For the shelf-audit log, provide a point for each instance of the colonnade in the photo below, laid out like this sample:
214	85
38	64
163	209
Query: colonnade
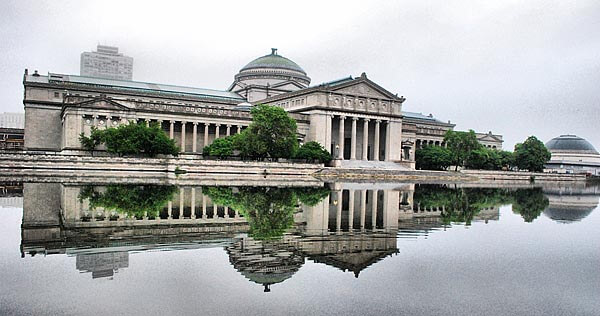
363	145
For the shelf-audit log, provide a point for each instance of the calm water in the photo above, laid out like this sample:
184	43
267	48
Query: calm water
341	249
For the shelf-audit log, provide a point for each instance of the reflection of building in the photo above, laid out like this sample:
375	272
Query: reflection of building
106	62
568	205
103	264
572	154
354	118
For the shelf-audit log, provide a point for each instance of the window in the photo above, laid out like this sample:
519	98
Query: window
56	94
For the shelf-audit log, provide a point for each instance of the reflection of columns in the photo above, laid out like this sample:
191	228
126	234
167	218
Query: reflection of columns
365	153
171	129
228	130
338	215
374	210
350	210
194	136
205	134
217	131
181	202
363	208
353	139
204	206
341	138
193	201
183	136
376	141
170	209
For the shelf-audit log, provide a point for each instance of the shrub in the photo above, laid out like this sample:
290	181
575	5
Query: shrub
313	151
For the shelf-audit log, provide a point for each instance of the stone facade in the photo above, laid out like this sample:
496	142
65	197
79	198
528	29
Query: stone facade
354	118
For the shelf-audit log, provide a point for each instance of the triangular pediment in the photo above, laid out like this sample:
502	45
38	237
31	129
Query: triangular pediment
489	137
96	103
363	87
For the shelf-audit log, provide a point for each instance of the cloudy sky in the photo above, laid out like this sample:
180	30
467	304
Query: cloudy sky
517	68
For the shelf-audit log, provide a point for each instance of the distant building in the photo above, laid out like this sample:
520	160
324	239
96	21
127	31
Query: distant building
572	154
106	62
12	120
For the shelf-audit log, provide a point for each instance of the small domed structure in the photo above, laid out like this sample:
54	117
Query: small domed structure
267	76
572	154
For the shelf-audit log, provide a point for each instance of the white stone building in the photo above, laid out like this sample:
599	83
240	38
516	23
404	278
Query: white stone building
106	62
572	154
360	122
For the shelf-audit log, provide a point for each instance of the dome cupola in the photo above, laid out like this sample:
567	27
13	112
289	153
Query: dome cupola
570	143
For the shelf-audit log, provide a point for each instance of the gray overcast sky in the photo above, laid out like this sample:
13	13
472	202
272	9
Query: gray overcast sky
517	68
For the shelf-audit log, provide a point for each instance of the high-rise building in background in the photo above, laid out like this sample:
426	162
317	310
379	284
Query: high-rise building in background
12	120
106	62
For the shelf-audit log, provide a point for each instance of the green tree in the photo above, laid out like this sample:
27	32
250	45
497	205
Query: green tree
313	151
135	200
131	139
529	203
272	132
433	158
460	144
531	155
221	147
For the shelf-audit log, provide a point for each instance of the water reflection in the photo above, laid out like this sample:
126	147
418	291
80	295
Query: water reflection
267	232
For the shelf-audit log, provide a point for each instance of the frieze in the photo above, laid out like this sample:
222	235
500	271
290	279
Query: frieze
191	110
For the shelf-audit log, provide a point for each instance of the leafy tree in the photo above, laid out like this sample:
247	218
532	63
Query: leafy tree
221	147
273	131
135	200
531	155
507	159
529	203
269	211
131	139
90	143
313	151
460	145
433	158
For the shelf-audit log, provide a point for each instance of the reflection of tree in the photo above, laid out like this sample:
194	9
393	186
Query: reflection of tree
530	203
269	211
129	199
462	204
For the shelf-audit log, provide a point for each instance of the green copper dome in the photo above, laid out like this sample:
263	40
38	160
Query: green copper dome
273	61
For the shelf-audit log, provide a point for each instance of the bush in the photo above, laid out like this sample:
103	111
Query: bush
433	158
313	151
221	147
131	139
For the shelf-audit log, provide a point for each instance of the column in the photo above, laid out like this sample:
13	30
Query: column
205	134
374	210
193	200
215	210
171	129
217	130
341	138
350	210
388	142
376	141
239	129
170	209
147	122
228	130
194	136
363	208
226	212
183	136
338	215
181	202
365	140
204	206
108	121
353	140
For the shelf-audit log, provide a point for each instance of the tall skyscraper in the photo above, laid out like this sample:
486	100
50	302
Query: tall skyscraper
106	62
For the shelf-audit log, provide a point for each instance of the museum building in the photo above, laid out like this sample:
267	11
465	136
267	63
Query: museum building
355	118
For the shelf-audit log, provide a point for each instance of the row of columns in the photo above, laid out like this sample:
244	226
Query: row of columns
363	208
365	144
238	129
